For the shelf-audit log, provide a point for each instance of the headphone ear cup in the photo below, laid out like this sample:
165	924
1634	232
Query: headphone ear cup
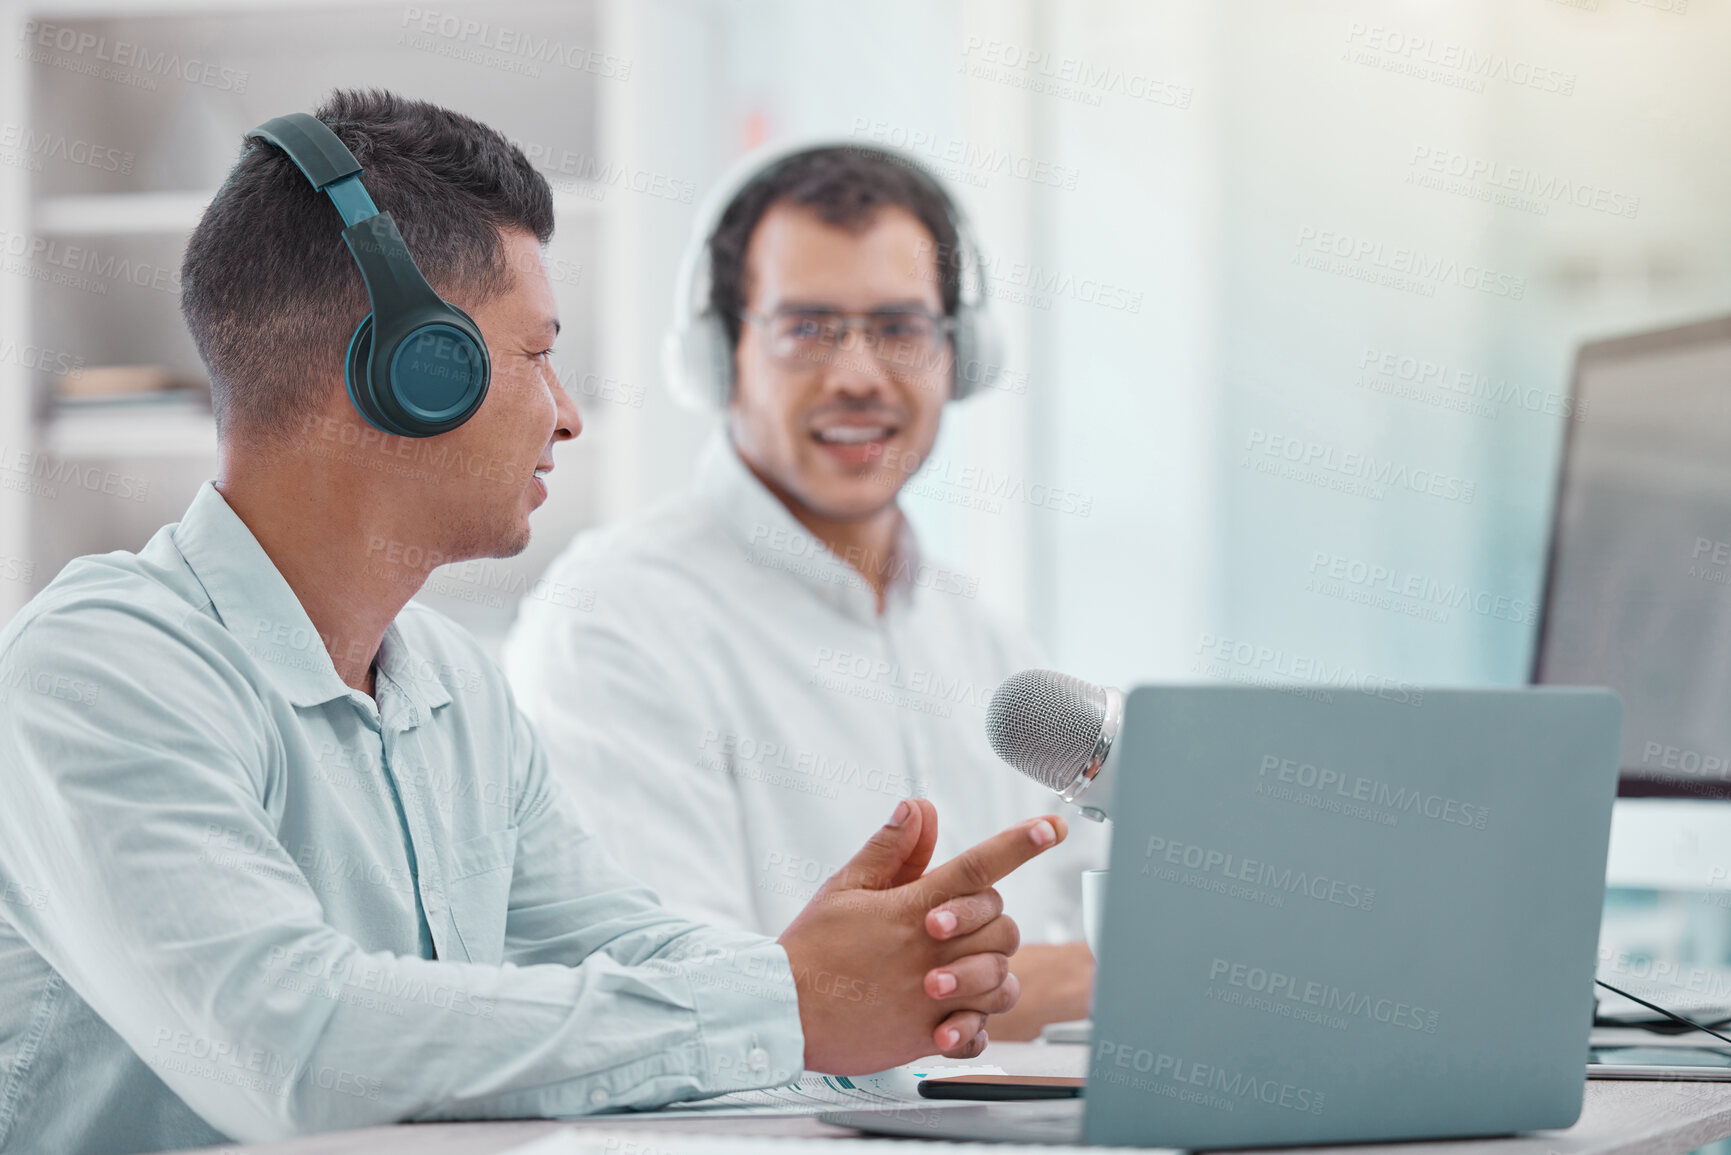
716	352
698	360
357	373
437	374
979	352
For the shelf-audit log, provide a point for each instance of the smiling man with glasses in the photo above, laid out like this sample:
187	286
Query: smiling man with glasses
768	658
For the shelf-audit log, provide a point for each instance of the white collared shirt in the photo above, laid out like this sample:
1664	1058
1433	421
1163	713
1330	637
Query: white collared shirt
738	718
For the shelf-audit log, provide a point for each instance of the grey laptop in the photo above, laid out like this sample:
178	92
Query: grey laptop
1335	916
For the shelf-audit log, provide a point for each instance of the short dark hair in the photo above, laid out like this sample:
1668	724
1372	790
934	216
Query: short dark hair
844	185
269	289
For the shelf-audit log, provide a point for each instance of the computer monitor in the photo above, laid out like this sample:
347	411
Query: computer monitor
1638	590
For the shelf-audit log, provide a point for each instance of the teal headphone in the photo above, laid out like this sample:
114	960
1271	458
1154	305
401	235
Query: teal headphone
417	365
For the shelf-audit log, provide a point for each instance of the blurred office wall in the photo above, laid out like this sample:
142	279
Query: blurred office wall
1291	290
1294	292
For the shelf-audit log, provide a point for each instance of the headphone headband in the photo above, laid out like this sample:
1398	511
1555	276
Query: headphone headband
317	151
417	365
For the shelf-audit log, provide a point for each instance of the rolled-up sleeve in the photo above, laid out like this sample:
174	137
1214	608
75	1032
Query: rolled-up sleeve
220	972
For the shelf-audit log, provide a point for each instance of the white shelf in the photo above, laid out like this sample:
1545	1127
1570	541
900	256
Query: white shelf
130	430
114	9
137	214
121	213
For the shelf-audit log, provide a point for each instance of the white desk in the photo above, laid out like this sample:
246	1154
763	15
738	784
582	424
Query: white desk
1620	1118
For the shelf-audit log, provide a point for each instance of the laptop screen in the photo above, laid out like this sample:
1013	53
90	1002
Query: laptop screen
1639	586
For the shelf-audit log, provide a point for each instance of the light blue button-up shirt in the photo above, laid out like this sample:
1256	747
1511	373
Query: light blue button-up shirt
240	899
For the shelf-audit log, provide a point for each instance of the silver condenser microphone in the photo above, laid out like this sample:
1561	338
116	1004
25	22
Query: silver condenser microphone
1059	731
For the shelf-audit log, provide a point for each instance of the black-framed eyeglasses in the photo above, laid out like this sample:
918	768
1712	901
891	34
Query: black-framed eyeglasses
910	340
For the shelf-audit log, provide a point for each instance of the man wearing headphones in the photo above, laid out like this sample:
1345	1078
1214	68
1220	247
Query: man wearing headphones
768	657
278	853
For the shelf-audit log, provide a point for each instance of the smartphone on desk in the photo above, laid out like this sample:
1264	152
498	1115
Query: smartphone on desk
997	1088
1669	1063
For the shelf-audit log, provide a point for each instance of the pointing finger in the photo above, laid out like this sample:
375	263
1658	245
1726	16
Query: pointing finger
980	866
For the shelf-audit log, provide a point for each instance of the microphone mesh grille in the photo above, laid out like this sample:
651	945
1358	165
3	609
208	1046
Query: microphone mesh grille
1045	724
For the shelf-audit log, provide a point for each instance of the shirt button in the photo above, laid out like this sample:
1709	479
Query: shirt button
599	1097
757	1058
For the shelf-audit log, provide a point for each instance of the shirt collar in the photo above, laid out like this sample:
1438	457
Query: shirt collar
415	673
770	536
258	607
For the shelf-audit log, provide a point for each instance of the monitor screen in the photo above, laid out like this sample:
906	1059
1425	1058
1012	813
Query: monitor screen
1638	592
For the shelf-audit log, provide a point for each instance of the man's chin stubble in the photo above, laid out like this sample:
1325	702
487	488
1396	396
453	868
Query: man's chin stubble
494	540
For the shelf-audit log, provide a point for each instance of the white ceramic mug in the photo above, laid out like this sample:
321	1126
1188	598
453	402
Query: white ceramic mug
1093	907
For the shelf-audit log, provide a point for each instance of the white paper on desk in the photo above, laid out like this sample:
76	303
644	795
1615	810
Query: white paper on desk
813	1094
